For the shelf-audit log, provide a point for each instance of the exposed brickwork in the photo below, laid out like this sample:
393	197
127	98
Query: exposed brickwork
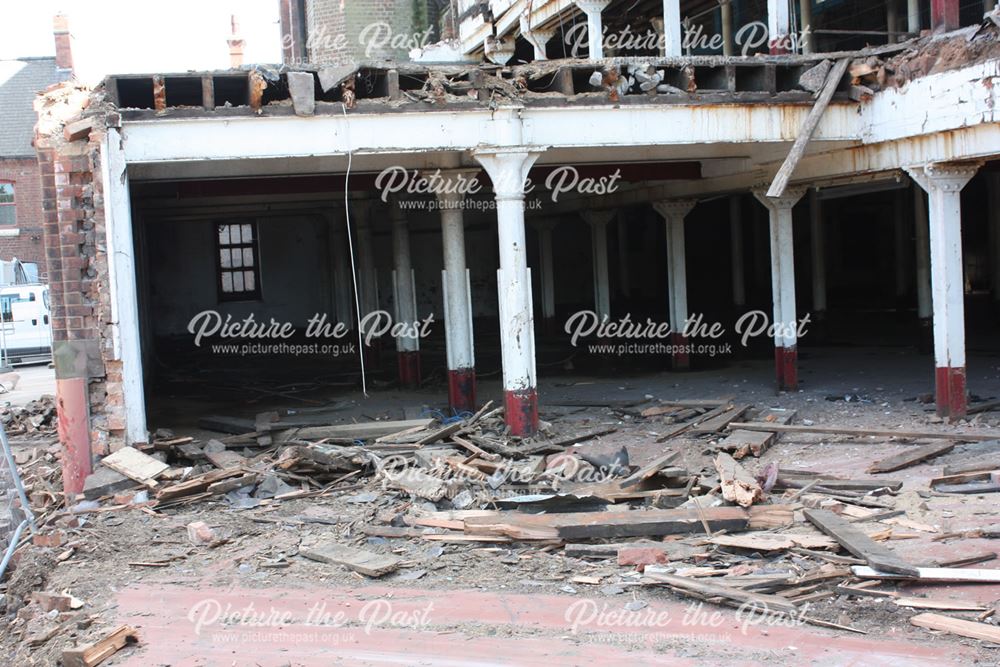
28	245
75	242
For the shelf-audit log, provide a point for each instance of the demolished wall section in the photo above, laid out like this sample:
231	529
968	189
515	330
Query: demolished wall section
75	237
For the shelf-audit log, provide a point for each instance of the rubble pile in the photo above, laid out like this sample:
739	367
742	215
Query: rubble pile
699	515
38	417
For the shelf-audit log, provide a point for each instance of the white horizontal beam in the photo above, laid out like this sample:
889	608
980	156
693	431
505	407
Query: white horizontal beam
166	140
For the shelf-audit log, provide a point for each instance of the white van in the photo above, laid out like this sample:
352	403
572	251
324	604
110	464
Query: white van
26	333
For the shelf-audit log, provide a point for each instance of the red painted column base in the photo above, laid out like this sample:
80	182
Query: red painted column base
462	389
74	432
521	411
950	390
681	360
786	366
409	370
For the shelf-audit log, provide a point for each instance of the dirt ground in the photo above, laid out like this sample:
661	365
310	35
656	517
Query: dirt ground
519	603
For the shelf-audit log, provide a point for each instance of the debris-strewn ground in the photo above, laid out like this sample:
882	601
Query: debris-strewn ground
457	555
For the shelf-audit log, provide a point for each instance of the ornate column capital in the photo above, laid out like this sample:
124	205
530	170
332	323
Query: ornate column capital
674	209
785	201
947	177
508	168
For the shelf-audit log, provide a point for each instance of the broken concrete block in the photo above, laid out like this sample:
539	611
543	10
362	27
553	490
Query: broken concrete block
302	87
105	482
199	533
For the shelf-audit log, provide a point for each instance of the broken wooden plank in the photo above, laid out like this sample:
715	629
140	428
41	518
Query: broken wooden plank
911	457
738	486
780	183
710	589
958	626
861	432
946	605
225	459
135	465
719	422
773	542
364	562
648	470
985	465
969	489
97	652
858	543
586	525
361	431
932	574
744	443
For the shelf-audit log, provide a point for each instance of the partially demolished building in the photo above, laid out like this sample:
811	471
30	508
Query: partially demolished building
708	178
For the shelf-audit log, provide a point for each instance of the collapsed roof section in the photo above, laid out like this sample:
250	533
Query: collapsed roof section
377	88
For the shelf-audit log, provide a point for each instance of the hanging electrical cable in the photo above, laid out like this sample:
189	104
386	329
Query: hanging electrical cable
350	248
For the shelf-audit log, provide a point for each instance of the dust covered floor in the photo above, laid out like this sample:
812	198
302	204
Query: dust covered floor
262	580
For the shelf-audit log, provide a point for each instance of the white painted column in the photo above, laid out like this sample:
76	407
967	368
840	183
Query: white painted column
457	296
736	252
672	40
340	260
546	271
537	38
993	223
779	25
806	27
508	168
817	237
125	336
595	25
404	296
943	184
673	213
598	221
783	285
913	16
923	272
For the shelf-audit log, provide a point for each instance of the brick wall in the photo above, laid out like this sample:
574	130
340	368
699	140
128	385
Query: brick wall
75	243
28	245
337	29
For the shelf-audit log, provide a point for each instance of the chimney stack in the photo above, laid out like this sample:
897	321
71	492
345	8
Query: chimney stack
64	42
236	44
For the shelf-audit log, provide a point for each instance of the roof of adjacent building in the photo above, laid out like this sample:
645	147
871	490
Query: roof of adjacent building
20	81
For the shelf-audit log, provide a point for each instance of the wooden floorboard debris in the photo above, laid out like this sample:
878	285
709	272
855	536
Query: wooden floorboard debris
861	432
93	654
773	542
738	486
709	590
857	543
362	431
958	626
743	443
135	465
911	457
932	574
364	562
945	605
648	470
721	421
593	525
